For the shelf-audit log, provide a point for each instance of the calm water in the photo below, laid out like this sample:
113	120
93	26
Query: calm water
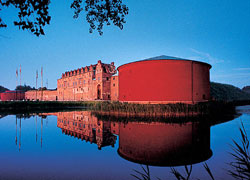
78	145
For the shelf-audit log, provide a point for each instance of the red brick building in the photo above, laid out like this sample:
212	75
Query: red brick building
164	79
157	80
114	88
12	95
87	83
41	95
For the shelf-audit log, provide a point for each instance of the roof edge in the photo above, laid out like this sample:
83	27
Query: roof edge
178	59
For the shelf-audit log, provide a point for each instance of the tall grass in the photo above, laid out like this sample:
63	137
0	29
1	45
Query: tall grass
145	174
241	155
179	109
212	108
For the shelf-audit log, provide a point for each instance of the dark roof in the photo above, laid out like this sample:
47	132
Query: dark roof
164	57
15	91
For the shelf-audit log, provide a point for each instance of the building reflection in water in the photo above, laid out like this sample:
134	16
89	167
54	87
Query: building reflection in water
165	144
156	143
84	126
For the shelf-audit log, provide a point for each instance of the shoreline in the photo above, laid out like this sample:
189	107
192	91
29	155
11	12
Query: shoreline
124	107
213	112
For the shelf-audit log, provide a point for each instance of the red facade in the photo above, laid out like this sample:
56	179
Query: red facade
41	95
12	95
158	80
87	84
164	81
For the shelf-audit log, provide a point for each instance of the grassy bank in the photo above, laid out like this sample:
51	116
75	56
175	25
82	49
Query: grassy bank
112	108
164	109
215	112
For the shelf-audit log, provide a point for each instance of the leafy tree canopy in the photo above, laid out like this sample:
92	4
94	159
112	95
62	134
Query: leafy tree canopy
33	15
3	89
246	89
24	88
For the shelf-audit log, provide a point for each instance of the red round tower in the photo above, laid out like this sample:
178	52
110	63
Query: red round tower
164	79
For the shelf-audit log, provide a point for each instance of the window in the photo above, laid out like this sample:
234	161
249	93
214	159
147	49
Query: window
114	85
113	78
204	96
107	78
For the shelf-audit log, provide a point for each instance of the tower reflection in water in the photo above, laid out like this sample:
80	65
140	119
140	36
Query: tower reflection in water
156	143
164	144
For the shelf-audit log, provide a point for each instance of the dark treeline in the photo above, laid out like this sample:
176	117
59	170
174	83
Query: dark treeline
227	92
3	89
24	88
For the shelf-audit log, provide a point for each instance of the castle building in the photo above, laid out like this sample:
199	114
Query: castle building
42	95
12	95
157	80
87	83
164	79
94	82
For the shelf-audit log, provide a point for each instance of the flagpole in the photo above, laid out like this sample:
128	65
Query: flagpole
16	81
36	83
20	80
20	76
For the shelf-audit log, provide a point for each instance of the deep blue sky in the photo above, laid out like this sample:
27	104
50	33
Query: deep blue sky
216	32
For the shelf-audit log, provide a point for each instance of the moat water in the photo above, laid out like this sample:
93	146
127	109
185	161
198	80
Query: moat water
78	145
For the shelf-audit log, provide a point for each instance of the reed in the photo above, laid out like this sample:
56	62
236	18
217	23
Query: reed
212	108
241	155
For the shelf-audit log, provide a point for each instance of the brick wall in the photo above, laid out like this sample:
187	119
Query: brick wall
45	95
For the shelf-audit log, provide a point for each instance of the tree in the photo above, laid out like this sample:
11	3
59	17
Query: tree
246	89
3	89
33	15
24	88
